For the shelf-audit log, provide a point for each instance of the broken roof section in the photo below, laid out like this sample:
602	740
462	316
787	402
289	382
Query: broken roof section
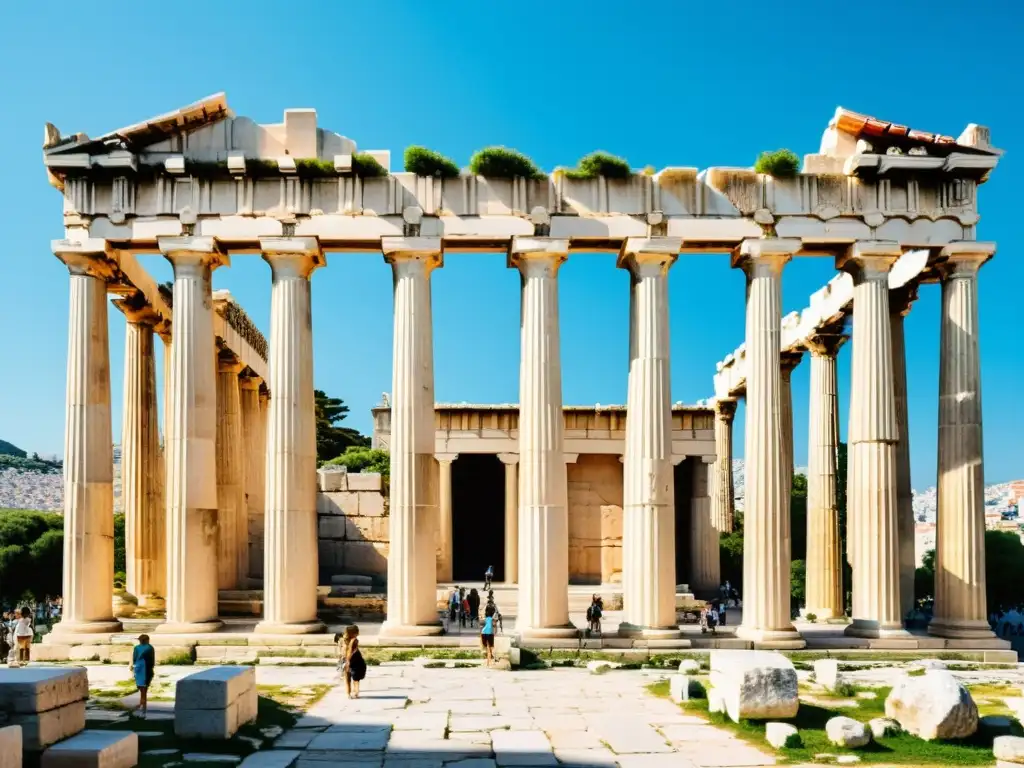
848	129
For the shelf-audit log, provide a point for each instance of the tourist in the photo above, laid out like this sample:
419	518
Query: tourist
355	665
721	612
488	577
474	607
487	638
23	633
142	666
463	607
453	605
492	611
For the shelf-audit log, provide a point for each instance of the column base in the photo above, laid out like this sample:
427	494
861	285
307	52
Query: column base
548	633
781	639
389	629
189	627
872	628
290	628
152	603
652	633
86	627
966	629
820	614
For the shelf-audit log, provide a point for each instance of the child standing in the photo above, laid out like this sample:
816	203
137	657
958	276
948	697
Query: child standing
23	633
355	665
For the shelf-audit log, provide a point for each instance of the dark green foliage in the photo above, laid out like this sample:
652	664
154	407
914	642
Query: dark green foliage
31	554
364	459
600	164
119	548
427	162
503	163
782	164
332	440
33	464
314	168
7	449
367	166
206	168
1004	571
798	517
256	167
730	547
797	582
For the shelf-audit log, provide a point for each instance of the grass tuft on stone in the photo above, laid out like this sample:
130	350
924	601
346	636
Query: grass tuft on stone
367	166
428	162
600	164
782	164
314	168
503	163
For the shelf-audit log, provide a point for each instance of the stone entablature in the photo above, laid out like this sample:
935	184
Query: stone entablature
464	428
202	171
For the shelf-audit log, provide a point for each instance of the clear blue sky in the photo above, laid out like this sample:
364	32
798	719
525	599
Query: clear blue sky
660	83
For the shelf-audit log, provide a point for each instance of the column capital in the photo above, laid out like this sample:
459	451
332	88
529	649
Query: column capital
249	380
138	311
826	344
900	299
788	360
570	458
964	258
420	249
649	253
756	256
446	458
89	257
546	252
192	252
228	362
725	410
678	458
508	458
292	256
866	259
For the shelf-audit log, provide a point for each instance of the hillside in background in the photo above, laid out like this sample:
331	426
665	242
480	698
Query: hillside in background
11	450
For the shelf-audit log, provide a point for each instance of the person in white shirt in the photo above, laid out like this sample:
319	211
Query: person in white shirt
23	634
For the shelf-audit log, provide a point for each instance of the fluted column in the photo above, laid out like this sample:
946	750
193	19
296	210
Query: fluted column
253	477
873	436
766	552
88	446
543	491
648	509
704	551
960	608
444	526
722	490
290	528
142	461
787	361
412	561
231	510
190	443
900	300
511	462
824	574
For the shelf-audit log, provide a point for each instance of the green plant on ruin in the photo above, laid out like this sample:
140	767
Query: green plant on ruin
503	163
367	166
427	162
600	164
314	168
782	164
255	166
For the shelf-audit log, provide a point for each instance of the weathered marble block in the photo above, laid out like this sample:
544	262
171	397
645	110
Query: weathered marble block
10	747
214	703
48	703
42	729
94	749
755	685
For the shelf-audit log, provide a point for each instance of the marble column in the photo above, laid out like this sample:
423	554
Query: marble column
142	461
165	340
190	442
412	562
767	546
900	300
787	361
824	574
254	467
960	608
257	548
871	494
543	491
722	490
231	510
648	509
511	462
290	558
704	552
444	513
88	582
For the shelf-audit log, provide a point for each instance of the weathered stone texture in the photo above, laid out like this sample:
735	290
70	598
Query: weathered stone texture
95	749
595	485
755	685
215	702
933	706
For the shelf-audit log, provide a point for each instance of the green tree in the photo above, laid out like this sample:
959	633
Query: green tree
1004	571
730	549
358	458
31	554
798	517
332	440
797	583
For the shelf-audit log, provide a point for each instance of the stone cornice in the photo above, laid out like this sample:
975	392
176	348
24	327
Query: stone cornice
658	252
88	257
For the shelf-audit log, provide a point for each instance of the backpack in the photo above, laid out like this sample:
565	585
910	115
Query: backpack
357	666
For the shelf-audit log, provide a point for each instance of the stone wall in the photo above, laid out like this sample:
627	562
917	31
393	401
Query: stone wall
352	526
595	519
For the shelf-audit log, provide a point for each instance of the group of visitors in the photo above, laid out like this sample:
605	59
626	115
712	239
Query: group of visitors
16	632
464	608
728	595
1007	623
712	616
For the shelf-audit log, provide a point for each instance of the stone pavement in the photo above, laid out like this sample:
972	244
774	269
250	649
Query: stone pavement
412	717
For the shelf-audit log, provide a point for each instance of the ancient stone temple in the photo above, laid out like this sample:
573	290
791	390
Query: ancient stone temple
202	187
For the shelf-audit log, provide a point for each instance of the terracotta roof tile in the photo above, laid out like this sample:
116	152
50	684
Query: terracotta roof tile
865	125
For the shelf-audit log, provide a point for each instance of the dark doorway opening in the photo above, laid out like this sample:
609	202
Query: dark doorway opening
684	528
478	516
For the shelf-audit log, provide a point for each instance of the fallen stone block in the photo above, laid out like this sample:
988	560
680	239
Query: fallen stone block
933	706
214	688
37	689
683	688
1008	749
847	732
884	726
42	729
689	667
10	747
206	723
94	749
755	685
781	735
826	673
